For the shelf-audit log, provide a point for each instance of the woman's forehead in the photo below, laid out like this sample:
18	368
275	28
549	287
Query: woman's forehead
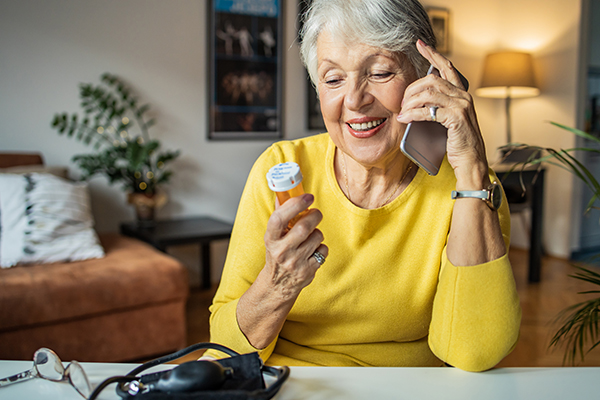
331	46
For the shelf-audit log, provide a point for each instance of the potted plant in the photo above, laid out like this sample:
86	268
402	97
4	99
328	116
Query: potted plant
114	121
579	330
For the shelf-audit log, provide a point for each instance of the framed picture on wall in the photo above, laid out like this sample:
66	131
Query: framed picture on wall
314	118
245	69
440	20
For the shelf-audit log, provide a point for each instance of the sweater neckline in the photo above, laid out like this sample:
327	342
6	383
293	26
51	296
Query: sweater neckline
343	200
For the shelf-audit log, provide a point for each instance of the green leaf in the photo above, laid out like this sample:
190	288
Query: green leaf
590	204
580	322
149	123
164	178
108	78
577	132
152	146
135	155
56	121
167	156
142	110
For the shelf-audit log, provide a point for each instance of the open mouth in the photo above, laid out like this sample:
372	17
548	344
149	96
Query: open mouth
365	126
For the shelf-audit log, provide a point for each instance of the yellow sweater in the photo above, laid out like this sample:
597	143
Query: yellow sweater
387	294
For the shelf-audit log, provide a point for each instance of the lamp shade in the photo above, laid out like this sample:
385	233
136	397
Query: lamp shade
508	74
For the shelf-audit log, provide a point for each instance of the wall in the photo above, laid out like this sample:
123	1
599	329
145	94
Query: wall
48	47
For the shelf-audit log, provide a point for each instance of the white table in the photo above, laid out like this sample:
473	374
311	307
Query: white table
331	383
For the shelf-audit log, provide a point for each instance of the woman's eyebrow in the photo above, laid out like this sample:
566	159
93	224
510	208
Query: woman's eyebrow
367	59
327	60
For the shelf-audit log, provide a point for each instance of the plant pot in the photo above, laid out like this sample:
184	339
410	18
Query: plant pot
146	205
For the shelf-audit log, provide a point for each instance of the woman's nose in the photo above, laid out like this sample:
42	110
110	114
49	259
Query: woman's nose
357	96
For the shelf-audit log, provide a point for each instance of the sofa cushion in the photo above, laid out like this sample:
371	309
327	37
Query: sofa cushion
133	274
45	219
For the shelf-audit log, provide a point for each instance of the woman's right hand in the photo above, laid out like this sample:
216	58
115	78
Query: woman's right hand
289	264
289	268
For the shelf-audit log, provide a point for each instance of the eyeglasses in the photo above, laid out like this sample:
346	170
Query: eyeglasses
47	365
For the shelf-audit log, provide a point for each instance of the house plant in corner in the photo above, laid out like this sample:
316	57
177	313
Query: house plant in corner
579	330
115	123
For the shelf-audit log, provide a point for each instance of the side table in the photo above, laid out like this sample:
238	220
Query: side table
533	180
173	232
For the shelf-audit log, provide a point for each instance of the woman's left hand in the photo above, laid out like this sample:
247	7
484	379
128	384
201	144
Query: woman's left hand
475	235
455	110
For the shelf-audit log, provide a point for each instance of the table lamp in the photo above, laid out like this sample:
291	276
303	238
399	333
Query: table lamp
508	75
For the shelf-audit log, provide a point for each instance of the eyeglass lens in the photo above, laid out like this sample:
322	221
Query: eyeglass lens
79	379
49	366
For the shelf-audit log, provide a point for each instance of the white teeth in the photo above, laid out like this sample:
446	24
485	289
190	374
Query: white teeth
367	125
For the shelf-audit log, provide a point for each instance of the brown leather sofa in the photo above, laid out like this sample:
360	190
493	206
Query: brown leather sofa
127	306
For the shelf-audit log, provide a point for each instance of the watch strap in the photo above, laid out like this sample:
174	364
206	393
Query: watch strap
478	194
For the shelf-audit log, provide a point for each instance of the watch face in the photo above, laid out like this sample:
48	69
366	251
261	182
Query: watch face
496	196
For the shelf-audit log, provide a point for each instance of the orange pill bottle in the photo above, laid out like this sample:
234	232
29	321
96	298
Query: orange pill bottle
285	180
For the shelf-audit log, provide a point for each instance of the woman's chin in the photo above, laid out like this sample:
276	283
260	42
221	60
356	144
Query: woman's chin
374	155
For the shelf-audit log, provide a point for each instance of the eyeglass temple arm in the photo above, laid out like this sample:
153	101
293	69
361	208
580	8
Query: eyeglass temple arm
22	376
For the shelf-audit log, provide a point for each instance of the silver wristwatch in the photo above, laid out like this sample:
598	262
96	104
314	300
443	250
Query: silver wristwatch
492	195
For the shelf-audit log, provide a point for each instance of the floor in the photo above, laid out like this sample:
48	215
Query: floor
541	303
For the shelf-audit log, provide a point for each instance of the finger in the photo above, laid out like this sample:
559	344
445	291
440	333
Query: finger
278	222
447	70
420	108
447	109
426	113
425	96
313	241
324	251
304	226
431	90
292	246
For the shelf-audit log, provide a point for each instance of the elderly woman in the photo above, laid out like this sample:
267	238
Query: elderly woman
412	277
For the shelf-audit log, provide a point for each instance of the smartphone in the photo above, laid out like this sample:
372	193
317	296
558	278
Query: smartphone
424	142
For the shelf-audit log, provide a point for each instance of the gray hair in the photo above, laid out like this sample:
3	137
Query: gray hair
394	25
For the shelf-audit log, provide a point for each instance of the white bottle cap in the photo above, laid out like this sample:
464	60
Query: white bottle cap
283	177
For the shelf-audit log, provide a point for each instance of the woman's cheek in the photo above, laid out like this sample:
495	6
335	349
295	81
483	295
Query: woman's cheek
331	104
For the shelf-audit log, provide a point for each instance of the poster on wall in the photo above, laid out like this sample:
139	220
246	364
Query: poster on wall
245	69
314	117
440	21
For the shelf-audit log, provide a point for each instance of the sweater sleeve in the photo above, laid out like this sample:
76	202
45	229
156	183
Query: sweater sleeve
476	310
245	259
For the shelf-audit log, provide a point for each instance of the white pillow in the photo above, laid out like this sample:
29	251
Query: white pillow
45	219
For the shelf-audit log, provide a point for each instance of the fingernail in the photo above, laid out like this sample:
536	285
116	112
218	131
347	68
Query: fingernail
308	198
399	117
422	43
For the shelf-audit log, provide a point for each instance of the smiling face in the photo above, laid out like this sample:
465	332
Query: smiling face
361	89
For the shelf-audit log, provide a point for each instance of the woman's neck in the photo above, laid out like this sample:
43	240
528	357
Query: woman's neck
372	187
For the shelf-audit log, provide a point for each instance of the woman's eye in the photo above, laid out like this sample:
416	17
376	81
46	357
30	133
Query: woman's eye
381	75
332	81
